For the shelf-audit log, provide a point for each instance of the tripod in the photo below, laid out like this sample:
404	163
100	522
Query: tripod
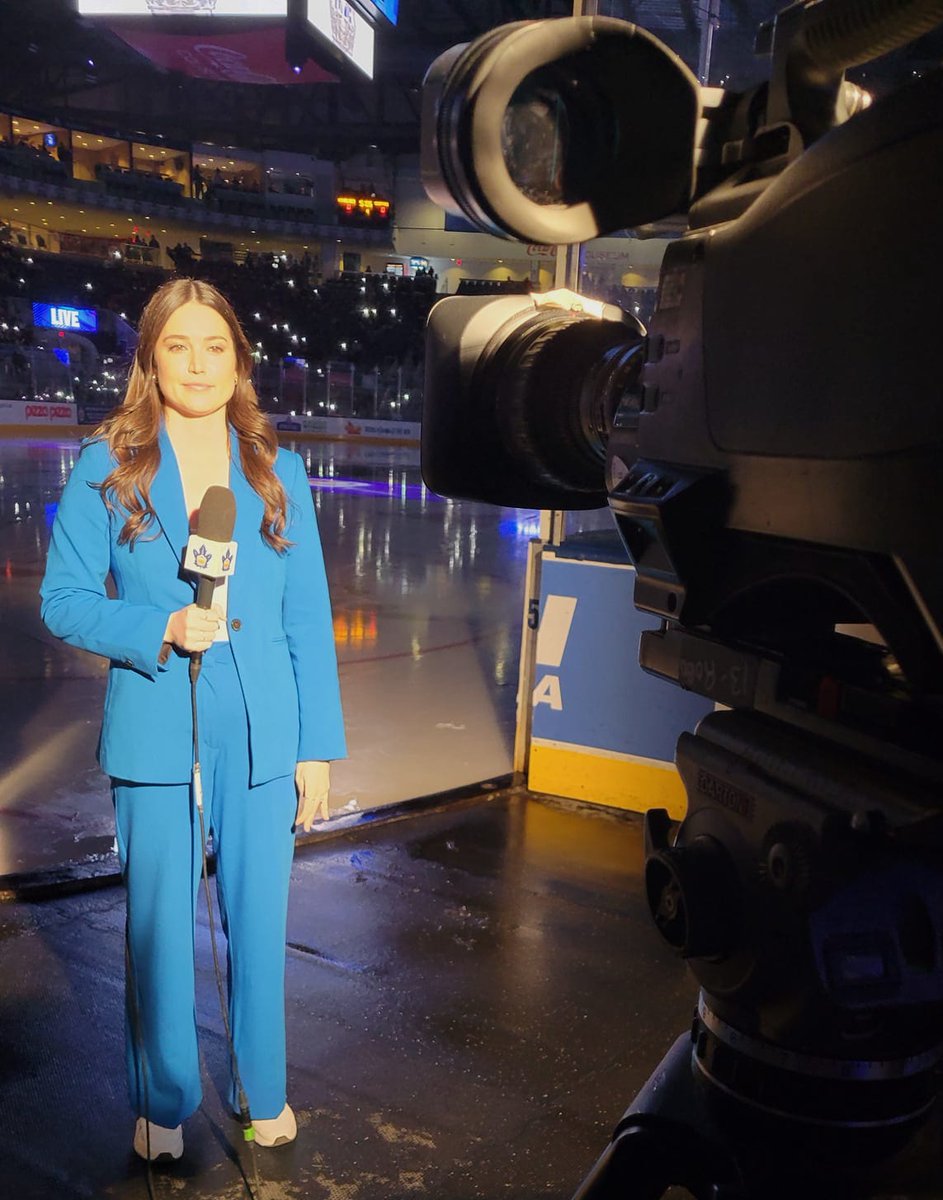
805	889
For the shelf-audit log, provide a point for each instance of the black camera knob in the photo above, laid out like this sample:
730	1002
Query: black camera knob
787	860
693	895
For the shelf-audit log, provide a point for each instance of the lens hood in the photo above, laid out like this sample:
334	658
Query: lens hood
560	131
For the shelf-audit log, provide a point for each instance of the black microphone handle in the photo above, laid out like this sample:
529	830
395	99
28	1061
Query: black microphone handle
204	592
204	599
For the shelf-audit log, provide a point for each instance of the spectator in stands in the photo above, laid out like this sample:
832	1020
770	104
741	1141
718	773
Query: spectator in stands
181	256
190	420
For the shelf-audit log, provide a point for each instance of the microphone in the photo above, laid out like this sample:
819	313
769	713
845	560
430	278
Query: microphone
211	552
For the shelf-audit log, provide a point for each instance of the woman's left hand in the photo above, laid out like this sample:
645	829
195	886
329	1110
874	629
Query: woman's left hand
313	781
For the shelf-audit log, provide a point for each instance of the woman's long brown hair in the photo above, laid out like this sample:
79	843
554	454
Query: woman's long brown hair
131	430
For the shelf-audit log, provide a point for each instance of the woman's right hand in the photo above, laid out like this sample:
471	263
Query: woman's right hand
192	628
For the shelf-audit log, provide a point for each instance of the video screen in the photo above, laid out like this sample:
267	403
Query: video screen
182	8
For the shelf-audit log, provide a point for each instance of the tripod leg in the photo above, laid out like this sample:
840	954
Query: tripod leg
660	1142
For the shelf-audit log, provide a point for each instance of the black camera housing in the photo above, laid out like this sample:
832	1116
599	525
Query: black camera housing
771	449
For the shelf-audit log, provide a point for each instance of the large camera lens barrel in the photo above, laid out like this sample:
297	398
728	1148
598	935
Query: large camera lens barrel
520	397
553	384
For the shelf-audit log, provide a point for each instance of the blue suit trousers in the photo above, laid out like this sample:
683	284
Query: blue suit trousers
159	846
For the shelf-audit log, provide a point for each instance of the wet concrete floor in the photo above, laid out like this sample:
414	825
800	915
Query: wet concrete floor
473	997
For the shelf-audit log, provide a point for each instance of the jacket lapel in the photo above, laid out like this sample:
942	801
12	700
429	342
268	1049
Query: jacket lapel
249	509
167	499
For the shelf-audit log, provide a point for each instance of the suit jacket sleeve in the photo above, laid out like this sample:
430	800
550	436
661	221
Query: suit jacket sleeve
75	605
306	617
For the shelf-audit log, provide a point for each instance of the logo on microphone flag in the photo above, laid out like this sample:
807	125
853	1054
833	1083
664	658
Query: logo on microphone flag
213	560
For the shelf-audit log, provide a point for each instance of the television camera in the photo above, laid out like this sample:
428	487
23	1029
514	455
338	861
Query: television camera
771	449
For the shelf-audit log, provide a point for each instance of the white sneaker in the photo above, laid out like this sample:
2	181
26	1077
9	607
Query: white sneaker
276	1131
164	1143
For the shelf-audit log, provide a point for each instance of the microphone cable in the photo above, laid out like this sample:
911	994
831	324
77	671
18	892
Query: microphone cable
245	1117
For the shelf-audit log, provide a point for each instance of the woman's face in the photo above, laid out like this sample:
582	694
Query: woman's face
195	361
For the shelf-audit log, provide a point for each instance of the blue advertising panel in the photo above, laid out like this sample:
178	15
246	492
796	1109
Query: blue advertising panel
603	729
59	316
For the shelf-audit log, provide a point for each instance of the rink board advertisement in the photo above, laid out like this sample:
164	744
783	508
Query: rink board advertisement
37	412
348	427
603	730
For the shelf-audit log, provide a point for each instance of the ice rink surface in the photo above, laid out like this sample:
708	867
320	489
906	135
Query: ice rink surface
427	597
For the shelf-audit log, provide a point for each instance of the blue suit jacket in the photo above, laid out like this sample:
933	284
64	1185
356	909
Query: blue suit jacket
279	613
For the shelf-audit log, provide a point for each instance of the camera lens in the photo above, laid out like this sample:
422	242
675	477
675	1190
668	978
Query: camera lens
535	141
554	381
520	398
555	129
544	130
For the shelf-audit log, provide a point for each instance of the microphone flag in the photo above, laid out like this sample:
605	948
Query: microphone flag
212	559
211	552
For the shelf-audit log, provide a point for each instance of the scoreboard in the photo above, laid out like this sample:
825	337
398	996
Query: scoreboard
364	212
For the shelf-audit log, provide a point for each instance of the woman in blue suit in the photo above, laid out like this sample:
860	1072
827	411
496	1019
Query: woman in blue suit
268	701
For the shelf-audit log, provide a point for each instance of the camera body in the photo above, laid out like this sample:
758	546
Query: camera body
770	448
801	409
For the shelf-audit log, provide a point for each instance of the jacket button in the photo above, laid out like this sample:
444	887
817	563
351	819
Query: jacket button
236	624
